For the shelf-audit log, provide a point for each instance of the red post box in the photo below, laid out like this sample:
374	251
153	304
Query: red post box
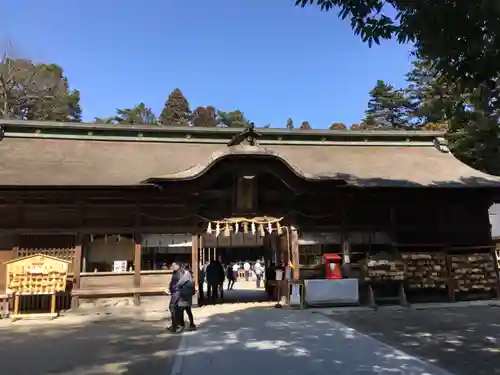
333	264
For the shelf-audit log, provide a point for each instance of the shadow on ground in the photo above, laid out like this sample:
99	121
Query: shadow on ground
255	338
465	341
82	346
264	340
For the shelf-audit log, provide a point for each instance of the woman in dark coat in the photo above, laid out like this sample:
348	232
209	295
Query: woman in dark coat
174	293
186	290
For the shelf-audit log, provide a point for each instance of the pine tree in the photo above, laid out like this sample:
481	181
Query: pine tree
138	115
387	108
176	111
289	123
432	100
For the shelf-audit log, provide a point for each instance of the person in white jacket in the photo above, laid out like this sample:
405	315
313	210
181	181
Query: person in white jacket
246	269
257	268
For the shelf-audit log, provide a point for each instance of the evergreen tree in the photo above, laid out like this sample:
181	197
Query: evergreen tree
305	126
176	111
233	119
431	99
474	131
387	108
30	91
338	126
289	123
138	115
204	116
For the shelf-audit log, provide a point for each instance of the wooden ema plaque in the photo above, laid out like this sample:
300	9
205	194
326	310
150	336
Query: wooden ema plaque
37	274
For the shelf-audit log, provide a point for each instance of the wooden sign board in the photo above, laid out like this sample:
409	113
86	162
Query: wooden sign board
36	274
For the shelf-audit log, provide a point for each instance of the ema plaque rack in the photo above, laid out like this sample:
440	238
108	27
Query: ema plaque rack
37	274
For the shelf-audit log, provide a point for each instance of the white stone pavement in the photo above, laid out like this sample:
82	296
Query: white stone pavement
256	339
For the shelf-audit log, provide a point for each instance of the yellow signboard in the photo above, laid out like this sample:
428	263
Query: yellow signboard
36	274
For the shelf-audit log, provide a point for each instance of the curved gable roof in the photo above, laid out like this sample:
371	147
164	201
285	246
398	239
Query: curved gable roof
58	158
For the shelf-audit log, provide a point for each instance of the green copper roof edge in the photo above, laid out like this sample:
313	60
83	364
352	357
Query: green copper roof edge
17	126
216	141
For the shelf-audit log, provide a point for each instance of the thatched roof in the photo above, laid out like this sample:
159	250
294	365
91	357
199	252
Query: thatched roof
48	154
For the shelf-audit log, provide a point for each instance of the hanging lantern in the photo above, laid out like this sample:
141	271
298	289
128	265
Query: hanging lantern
245	227
217	229
209	228
262	232
269	227
253	228
227	230
236	228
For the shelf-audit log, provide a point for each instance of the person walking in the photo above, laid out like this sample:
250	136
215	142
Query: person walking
246	270
174	298
257	268
236	268
186	289
230	277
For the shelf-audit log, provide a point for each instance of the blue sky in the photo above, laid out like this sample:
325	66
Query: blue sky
267	58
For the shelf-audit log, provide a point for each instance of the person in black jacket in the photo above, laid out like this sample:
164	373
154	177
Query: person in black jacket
174	297
215	277
186	292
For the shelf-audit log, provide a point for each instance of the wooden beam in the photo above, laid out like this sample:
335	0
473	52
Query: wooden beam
98	230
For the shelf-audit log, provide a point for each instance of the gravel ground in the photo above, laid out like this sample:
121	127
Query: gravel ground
85	346
464	341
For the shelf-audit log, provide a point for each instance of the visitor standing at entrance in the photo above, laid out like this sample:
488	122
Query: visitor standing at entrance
258	273
246	269
201	282
222	276
214	275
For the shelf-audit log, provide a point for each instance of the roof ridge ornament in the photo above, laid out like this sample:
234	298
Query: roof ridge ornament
248	134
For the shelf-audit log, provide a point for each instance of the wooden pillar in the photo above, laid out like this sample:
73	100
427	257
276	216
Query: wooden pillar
77	267
137	268
195	248
345	244
294	243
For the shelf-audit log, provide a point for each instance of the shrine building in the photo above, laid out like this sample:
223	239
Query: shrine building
122	202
